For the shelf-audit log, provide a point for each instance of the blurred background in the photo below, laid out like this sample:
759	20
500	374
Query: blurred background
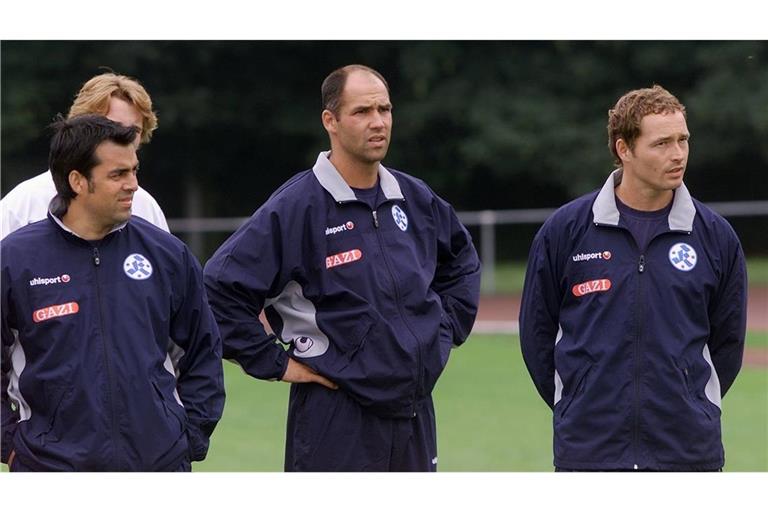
490	125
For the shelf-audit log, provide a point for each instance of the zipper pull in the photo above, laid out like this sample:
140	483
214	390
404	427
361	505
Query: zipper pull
96	259
641	265
375	219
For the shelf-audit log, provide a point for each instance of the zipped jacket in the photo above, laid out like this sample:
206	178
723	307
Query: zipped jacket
373	299
634	347
111	357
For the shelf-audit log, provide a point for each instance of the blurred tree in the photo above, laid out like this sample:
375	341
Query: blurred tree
488	124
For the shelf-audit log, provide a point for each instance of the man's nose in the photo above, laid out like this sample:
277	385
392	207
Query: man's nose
131	182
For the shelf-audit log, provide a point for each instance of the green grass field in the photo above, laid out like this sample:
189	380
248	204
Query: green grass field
489	416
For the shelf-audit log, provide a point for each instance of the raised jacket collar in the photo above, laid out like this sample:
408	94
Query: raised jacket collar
605	212
331	180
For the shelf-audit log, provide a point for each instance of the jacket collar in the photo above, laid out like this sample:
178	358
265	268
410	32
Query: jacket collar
331	180
57	209
680	217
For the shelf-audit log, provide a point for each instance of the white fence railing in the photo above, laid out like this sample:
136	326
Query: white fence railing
487	220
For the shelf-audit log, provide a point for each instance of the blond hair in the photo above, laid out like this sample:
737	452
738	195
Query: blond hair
94	96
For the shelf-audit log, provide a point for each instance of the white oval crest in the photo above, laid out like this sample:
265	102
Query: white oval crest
137	266
683	257
303	343
400	218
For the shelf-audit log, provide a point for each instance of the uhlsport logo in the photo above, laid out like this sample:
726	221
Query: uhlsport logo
683	257
137	266
587	287
343	258
586	256
400	218
347	226
55	311
45	281
303	343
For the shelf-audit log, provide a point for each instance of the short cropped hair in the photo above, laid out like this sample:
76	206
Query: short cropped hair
73	147
625	117
94	96
333	86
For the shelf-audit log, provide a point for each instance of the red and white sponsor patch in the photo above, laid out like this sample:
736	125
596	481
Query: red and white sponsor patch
343	258
596	285
48	312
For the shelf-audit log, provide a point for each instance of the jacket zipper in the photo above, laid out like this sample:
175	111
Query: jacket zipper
641	264
419	383
640	270
107	365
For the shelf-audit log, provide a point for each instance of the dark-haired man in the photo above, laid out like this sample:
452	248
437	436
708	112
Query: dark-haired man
111	357
370	279
123	100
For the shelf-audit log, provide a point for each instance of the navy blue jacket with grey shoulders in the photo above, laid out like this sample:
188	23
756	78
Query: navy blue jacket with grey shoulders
371	299
111	357
634	347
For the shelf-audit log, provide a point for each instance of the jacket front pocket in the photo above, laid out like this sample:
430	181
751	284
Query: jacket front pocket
690	392
170	408
578	389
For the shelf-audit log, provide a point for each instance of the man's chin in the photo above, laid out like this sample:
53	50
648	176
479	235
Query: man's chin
122	218
374	157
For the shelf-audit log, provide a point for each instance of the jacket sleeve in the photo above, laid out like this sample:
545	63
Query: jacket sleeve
457	276
539	314
728	317
9	416
238	278
200	381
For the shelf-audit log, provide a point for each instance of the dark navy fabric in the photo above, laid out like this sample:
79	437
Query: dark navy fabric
371	298
329	431
391	317
622	343
369	196
643	225
94	382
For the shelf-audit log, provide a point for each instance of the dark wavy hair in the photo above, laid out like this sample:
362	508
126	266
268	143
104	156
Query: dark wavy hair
73	147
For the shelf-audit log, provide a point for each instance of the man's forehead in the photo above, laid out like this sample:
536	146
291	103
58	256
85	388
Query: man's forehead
669	122
109	150
362	86
120	111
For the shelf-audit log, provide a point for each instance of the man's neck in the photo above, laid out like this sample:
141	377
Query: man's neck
357	174
82	226
642	198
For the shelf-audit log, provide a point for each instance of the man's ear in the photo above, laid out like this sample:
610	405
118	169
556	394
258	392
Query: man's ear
623	150
77	182
329	121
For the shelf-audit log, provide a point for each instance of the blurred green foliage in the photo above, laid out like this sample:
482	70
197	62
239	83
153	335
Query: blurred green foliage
488	124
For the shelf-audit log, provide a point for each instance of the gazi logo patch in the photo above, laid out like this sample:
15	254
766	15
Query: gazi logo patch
343	258
57	310
593	286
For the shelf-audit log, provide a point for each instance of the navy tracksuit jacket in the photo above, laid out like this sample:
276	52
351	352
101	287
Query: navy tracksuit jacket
371	299
111	357
634	347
